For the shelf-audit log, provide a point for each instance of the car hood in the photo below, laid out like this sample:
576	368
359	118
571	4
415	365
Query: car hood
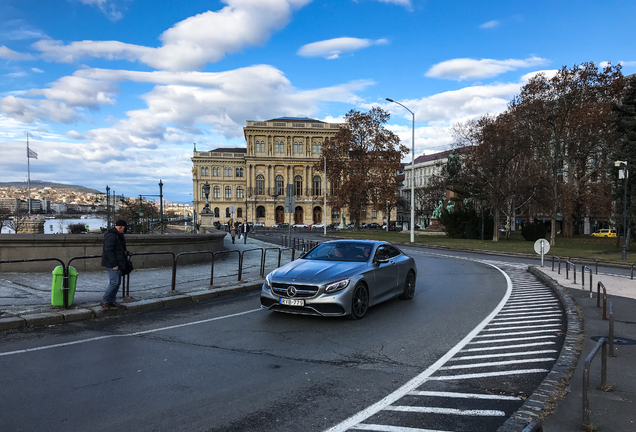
316	272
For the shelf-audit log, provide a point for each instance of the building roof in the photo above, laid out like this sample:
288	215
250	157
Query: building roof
439	155
229	150
301	119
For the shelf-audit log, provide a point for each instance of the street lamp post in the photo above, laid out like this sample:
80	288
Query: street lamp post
412	170
324	212
107	207
141	215
625	175
161	206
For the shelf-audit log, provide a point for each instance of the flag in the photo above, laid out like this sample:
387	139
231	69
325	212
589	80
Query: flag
31	154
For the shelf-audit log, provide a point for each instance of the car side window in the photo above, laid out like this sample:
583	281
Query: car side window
381	251
392	252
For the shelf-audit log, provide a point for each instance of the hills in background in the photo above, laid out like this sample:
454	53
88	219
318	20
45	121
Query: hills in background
39	184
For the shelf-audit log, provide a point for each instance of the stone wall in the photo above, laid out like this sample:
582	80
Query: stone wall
67	246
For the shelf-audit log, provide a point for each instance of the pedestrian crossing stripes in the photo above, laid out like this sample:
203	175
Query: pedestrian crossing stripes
489	378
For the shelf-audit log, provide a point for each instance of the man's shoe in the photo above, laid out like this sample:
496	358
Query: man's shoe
104	306
117	305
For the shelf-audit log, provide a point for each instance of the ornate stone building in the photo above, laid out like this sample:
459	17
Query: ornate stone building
253	180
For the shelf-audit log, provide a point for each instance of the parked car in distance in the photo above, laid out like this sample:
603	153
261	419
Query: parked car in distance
605	233
373	225
318	225
300	225
280	225
259	224
340	278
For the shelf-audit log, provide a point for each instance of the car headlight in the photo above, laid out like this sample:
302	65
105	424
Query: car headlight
268	282
337	286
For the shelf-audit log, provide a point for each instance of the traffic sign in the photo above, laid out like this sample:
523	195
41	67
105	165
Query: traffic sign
541	246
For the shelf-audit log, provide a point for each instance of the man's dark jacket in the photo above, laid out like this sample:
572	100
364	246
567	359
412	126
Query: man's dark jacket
114	249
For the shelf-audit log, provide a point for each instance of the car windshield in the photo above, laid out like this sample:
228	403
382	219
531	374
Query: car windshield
341	251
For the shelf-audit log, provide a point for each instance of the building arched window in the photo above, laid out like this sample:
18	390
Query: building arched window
228	192
239	212
227	212
260	146
279	185
317	185
239	172
298	147
239	192
278	147
298	185
205	171
216	172
216	192
316	147
227	172
216	212
260	184
260	212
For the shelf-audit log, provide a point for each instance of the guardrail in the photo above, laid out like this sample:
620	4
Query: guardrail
611	331
533	427
558	258
600	285
125	292
602	343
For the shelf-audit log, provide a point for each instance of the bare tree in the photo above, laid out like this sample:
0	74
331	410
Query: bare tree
363	159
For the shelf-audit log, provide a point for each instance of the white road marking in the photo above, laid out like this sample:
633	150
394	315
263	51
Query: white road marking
500	363
499	355
463	395
386	428
452	411
426	375
488	375
139	333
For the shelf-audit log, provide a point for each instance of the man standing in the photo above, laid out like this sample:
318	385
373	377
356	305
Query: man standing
114	259
245	228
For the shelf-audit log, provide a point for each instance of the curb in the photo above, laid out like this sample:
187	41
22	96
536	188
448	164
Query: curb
138	306
553	388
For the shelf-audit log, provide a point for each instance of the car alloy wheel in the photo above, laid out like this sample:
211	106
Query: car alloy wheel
359	301
409	287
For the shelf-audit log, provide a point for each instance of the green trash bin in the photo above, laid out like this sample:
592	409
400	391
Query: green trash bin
57	294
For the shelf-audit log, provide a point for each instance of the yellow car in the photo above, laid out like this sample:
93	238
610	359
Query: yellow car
605	233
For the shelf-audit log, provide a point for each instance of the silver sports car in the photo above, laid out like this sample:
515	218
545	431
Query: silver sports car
342	277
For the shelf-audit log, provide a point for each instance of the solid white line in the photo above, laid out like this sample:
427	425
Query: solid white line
93	339
501	363
424	376
463	395
488	375
386	428
504	347
499	355
452	411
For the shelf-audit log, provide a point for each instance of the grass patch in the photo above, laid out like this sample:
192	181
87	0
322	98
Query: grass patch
602	249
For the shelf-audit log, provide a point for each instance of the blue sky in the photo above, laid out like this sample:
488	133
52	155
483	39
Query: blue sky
115	92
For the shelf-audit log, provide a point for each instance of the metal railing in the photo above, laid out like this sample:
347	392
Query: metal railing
533	427
174	263
633	270
567	270
600	285
558	258
583	267
602	343
611	331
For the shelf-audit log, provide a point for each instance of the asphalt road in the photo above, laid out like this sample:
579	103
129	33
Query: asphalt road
228	366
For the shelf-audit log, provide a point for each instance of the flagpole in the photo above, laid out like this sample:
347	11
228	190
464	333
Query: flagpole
28	176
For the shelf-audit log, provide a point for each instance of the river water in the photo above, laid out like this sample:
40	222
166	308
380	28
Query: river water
60	226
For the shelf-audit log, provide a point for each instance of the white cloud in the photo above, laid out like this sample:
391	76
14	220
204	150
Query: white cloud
108	8
37	70
490	24
193	42
465	68
405	3
9	54
332	48
75	91
75	135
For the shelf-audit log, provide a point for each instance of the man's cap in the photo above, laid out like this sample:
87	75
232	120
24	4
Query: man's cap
121	222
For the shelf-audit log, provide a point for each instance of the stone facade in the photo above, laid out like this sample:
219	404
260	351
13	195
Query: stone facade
254	179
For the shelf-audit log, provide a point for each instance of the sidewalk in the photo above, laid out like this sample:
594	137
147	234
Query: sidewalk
609	410
25	298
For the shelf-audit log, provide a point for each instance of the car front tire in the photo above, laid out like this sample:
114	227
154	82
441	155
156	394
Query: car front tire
359	302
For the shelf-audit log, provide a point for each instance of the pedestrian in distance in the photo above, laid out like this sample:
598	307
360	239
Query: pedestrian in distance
233	232
245	228
114	259
237	225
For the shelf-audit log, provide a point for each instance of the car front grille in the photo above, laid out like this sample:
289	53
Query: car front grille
302	291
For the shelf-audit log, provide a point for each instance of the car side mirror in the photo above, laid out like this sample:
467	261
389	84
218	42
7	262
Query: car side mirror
381	259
